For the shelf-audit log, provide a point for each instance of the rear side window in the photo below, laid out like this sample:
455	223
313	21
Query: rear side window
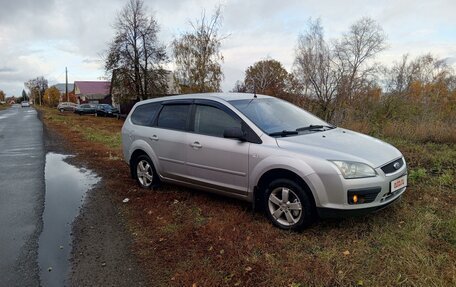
174	117
144	115
213	121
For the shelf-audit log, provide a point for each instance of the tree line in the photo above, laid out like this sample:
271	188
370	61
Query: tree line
338	79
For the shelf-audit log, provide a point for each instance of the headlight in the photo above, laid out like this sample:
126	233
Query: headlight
351	169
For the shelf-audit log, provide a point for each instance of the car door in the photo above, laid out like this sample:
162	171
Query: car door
215	161
169	138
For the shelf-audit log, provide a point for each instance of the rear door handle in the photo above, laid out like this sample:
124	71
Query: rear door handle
196	145
154	138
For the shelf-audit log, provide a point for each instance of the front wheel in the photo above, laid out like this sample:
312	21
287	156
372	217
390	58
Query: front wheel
145	172
62	110
287	205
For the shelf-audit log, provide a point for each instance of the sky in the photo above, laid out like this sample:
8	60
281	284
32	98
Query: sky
42	37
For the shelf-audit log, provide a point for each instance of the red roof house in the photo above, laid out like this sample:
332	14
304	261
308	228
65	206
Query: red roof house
93	91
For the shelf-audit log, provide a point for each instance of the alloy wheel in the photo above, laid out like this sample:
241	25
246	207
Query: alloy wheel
145	173
284	206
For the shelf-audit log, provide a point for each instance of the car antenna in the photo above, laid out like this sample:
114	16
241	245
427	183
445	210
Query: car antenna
254	90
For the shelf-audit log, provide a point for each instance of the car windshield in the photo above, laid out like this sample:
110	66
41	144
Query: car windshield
277	117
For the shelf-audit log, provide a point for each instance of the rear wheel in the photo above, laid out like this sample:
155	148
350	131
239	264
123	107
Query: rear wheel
62	110
287	205
145	172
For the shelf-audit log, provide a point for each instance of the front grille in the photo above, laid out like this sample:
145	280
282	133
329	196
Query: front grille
389	168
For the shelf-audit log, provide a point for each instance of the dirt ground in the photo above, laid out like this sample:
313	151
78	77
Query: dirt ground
102	247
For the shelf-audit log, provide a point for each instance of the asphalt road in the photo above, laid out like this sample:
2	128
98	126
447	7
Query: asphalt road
22	160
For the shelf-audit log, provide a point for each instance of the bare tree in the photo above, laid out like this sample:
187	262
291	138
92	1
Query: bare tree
398	78
239	87
362	43
337	72
315	68
37	87
135	56
197	56
425	69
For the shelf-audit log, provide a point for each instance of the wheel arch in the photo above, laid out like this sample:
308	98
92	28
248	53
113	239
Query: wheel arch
133	157
142	148
279	173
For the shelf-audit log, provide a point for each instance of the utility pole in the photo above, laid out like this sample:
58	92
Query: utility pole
66	84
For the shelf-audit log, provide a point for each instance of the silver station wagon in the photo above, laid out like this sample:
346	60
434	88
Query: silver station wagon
264	150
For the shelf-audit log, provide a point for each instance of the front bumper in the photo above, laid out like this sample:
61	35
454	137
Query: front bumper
340	213
332	192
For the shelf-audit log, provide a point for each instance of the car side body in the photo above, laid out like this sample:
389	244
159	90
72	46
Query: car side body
105	110
84	109
66	106
247	166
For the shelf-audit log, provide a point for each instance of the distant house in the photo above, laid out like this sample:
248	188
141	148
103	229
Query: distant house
12	100
97	92
125	103
62	90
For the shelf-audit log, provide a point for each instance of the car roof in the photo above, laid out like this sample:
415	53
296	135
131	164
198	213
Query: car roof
208	96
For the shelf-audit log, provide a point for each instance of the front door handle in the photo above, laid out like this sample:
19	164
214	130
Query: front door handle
154	138
196	145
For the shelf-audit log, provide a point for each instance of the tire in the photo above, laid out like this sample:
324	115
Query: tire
62	110
144	172
287	205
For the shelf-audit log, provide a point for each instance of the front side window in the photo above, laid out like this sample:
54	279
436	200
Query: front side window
174	117
144	115
213	121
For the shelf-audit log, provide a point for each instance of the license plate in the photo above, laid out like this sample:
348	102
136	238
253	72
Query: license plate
399	183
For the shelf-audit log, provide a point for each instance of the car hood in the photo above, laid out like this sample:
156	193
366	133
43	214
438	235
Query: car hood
342	144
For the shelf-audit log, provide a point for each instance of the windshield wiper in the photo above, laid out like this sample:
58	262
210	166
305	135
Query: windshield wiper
314	127
283	133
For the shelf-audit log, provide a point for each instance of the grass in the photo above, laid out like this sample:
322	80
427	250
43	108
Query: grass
4	107
186	237
105	131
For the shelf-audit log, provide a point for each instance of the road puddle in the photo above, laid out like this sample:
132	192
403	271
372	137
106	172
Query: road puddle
66	187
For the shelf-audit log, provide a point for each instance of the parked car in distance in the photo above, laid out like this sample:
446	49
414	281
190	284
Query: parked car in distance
84	109
66	106
264	150
105	110
25	104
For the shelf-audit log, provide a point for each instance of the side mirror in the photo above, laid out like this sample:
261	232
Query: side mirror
234	133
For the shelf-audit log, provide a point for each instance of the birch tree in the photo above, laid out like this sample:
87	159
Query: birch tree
197	56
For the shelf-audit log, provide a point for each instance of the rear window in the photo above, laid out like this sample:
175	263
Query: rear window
174	117
144	115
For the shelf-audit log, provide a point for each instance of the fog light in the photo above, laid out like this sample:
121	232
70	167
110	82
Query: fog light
361	196
355	198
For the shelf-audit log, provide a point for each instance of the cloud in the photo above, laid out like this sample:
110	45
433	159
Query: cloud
43	37
7	70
